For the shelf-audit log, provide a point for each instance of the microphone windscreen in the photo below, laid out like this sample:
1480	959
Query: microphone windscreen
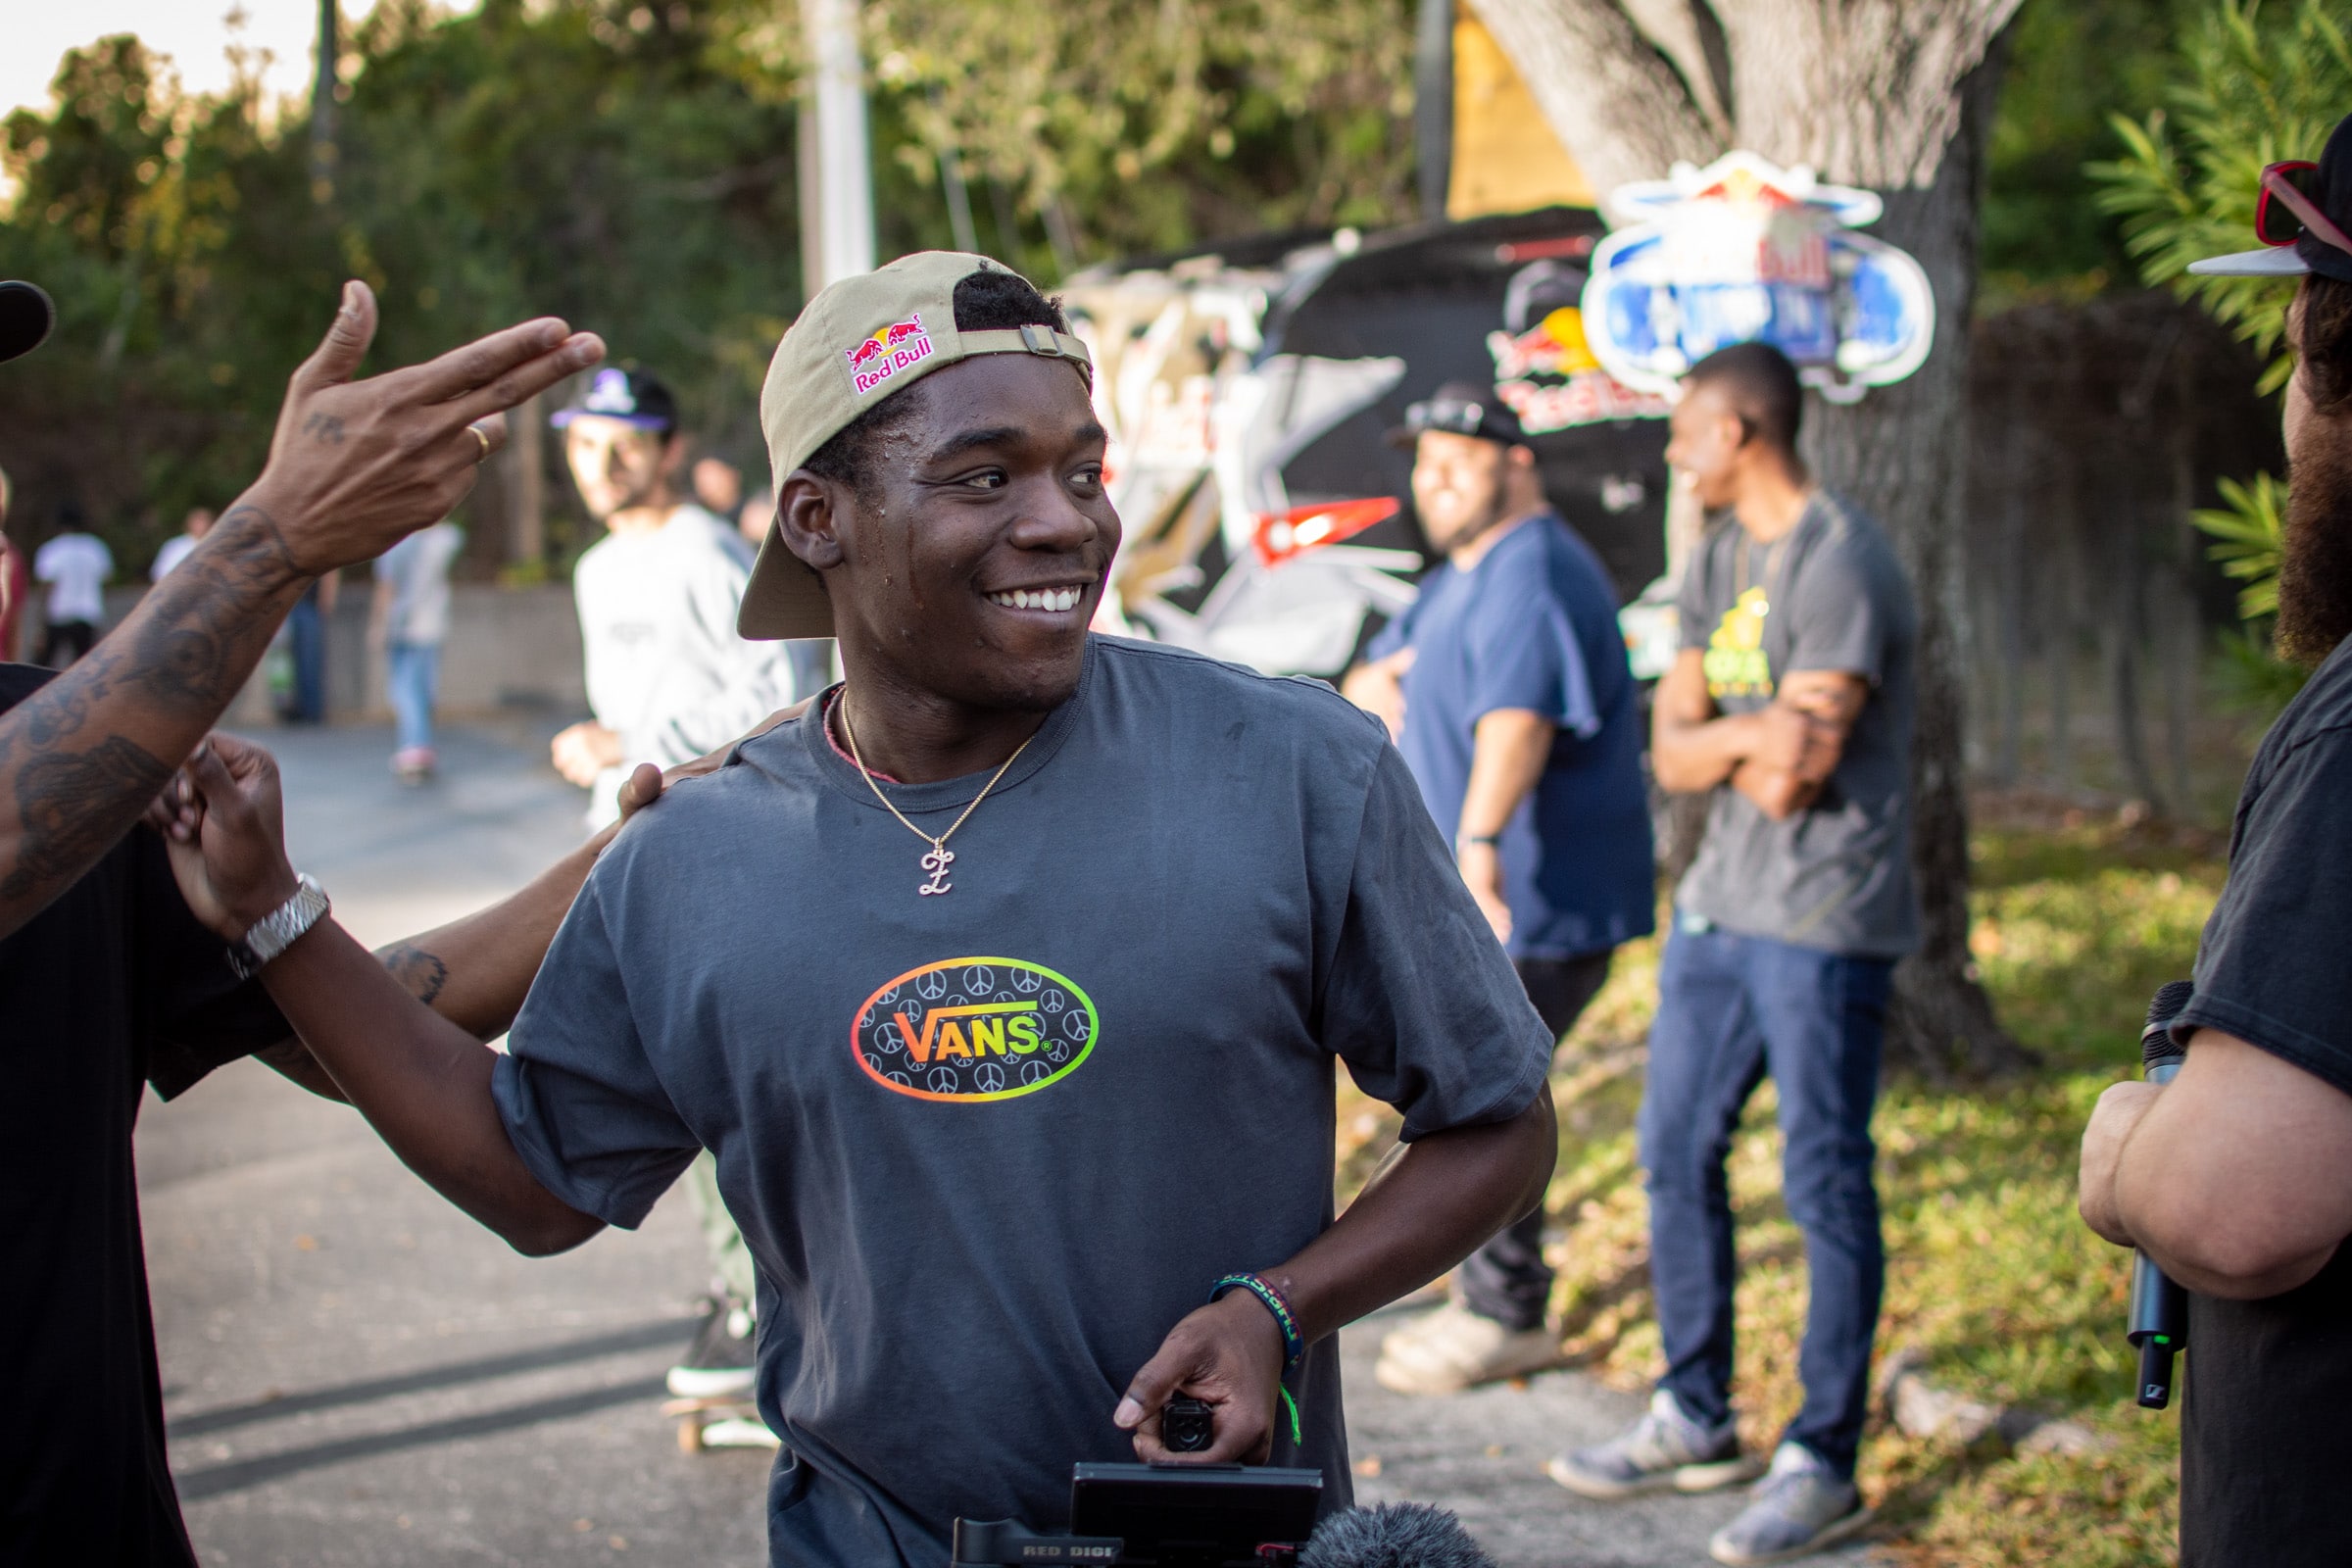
2168	1003
1394	1535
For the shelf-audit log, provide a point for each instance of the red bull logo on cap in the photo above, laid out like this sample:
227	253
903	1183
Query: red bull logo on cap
892	349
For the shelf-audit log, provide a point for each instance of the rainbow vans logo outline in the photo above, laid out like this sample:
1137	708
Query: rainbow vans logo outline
973	1030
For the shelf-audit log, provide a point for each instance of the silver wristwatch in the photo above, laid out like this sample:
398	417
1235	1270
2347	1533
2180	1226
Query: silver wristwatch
273	932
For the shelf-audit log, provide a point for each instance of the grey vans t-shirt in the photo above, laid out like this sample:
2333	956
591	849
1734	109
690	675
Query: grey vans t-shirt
988	1146
1827	594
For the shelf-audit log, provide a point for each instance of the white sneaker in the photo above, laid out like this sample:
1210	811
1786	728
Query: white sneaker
1801	1506
1453	1349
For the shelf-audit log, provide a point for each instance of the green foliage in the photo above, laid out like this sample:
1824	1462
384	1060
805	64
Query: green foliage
2247	534
633	168
1153	128
2251	680
2256	82
2042	227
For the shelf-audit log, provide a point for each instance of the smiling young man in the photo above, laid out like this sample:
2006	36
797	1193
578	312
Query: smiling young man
1007	985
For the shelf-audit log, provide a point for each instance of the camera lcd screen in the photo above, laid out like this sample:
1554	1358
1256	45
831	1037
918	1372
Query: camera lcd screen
1190	1513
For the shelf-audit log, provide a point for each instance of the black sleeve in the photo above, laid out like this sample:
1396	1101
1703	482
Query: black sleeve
2271	967
194	1013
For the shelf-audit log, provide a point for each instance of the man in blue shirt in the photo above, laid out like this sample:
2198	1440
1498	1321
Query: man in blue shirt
1507	687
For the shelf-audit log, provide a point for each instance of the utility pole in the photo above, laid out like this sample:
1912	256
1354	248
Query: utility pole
322	106
837	186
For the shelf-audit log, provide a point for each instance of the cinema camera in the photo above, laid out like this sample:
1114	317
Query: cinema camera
1161	1516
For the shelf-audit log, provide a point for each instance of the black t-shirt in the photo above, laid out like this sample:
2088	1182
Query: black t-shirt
2268	1383
112	987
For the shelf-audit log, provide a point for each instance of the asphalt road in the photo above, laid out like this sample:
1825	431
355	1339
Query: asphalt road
356	1374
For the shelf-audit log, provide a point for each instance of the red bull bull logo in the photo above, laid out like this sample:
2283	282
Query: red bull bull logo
890	350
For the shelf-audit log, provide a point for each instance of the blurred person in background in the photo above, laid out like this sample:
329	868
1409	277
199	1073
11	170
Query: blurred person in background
669	679
76	564
408	621
752	521
718	486
1790	704
306	637
175	549
1507	689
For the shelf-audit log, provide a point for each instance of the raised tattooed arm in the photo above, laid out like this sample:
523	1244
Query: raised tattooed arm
352	466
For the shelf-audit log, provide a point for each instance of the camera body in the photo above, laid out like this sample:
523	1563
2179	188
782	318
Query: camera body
1160	1516
1186	1426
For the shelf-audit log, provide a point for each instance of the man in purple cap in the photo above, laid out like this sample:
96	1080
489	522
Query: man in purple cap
2236	1178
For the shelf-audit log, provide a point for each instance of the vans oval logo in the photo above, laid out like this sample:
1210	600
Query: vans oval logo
974	1029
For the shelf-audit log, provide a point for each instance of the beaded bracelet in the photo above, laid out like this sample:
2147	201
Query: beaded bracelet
1294	1347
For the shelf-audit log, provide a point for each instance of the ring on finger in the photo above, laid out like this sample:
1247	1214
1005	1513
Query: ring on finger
483	436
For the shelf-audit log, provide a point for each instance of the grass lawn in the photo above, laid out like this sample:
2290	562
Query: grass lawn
1990	1275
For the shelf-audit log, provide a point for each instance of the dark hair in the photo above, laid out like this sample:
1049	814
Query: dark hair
1760	384
2324	342
989	301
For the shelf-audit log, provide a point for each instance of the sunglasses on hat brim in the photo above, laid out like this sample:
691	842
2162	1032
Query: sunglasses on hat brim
1454	416
2286	209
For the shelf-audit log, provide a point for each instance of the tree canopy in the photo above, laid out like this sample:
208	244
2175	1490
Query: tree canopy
631	167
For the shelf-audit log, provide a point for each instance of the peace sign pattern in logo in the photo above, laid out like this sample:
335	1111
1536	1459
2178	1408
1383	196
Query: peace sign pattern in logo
974	1030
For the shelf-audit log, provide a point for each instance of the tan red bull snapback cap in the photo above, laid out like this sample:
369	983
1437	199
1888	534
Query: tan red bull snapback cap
860	341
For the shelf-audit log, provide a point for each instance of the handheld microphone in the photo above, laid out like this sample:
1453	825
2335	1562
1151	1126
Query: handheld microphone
2159	1321
1394	1535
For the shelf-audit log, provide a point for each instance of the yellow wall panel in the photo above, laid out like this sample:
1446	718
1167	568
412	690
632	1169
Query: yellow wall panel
1505	157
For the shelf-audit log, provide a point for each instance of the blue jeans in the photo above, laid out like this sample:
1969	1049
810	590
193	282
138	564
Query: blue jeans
413	671
1731	1009
308	634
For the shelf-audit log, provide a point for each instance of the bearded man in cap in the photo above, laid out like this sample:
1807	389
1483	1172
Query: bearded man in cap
1033	1129
2237	1177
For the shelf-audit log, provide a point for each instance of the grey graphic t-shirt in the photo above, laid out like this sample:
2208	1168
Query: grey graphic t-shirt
1828	595
988	1146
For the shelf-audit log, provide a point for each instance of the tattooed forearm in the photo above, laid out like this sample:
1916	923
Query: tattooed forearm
81	758
72	805
212	619
423	973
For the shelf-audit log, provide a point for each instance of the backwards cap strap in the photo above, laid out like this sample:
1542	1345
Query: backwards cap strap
1033	339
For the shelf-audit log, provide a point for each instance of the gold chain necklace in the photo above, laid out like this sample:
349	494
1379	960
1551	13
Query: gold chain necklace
940	858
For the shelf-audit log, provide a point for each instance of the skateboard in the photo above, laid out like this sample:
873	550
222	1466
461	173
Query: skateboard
727	1421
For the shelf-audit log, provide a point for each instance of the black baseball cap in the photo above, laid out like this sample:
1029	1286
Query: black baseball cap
1460	408
631	396
2293	245
25	317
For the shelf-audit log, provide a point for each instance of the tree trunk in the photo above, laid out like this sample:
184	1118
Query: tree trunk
1898	455
1894	95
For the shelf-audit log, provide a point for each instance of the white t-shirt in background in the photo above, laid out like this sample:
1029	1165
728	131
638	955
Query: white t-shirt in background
418	568
176	550
75	565
665	666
